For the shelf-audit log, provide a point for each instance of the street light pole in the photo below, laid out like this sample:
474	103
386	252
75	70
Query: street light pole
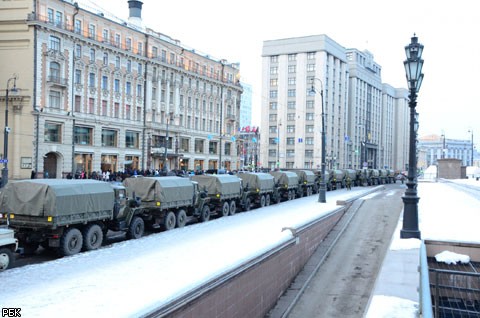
471	162
322	197
413	68
7	131
165	168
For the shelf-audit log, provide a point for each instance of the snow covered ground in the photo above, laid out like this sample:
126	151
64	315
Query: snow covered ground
131	277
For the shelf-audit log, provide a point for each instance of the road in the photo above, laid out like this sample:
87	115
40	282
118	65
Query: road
343	283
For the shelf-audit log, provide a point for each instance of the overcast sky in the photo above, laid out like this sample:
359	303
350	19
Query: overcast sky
235	30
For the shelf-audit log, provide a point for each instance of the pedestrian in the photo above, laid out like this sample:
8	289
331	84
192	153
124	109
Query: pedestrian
349	183
33	175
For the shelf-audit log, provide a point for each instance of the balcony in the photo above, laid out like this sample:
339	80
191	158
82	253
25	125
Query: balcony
57	81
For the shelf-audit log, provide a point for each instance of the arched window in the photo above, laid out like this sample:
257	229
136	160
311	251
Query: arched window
55	71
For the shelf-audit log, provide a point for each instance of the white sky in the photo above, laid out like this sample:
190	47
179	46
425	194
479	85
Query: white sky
123	271
236	30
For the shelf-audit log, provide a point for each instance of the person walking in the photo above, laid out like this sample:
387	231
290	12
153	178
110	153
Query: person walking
349	183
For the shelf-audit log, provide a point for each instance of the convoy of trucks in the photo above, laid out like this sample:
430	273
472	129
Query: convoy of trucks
69	216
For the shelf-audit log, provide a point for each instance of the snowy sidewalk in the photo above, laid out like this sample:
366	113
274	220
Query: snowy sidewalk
445	214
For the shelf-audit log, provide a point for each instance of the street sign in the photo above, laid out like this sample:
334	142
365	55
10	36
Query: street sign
3	160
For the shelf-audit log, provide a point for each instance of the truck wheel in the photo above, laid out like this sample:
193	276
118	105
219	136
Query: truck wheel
225	209
233	207
248	204
290	195
267	199
6	258
71	242
181	218
136	228
205	216
92	237
169	221
262	201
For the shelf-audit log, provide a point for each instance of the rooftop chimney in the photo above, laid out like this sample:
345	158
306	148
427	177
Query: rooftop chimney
135	14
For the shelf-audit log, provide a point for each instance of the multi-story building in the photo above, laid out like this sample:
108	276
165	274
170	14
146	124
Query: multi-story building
97	93
292	111
246	105
365	123
437	147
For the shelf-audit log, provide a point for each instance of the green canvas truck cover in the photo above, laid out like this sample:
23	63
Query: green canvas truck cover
285	178
305	176
224	184
56	197
160	189
260	180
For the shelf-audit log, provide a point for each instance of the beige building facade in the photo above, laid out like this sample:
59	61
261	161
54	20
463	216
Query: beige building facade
96	93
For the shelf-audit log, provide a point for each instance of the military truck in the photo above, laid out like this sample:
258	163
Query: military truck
224	191
319	178
167	202
306	182
66	215
286	183
258	189
337	181
8	247
352	175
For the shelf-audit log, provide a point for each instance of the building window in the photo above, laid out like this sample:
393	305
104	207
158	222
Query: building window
91	79
140	48
109	138
139	113
310	67
78	51
116	86
309	140
117	62
54	99
78	26
105	35
55	72
292	80
116	110
53	132
83	135
50	13
118	39
92	55
91	105
78	77
128	44
310	55
131	139
273	70
128	88
290	128
273	82
91	31
291	104
273	105
139	90
273	93
291	141
292	69
78	103
104	108
274	59
127	111
310	104
291	116
309	128
129	66
291	93
290	154
154	51
54	43
59	19
272	141
272	117
139	68
104	82
105	58
309	153
292	57
309	116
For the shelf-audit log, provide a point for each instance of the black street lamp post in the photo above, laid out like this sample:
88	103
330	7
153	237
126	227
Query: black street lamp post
322	197
413	68
165	167
471	161
7	131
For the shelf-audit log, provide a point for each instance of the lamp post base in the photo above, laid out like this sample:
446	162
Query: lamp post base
322	196
4	177
410	213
